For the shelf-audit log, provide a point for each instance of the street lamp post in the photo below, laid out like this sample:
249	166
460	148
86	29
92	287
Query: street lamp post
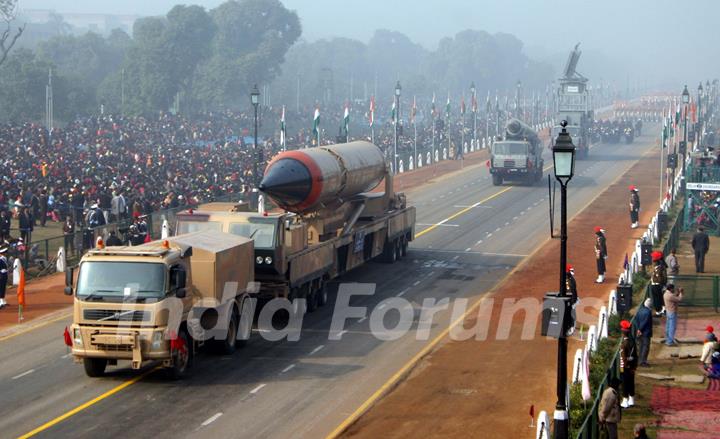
564	164
397	121
254	99
701	119
685	101
473	104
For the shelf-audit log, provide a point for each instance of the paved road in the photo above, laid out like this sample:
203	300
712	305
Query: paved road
477	234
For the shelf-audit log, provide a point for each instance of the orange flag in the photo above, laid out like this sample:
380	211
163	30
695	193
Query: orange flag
21	293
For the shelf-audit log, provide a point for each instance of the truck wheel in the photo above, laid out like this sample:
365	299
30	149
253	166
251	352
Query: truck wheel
322	295
497	180
311	299
404	247
181	355
94	367
245	324
398	249
227	346
389	254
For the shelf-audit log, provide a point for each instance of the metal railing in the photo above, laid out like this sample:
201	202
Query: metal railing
700	290
41	255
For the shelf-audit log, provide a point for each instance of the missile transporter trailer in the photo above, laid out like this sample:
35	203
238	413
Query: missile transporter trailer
518	156
574	106
329	224
161	301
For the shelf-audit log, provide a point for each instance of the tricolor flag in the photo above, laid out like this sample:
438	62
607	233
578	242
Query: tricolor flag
413	111
282	128
372	111
392	112
585	389
316	123
346	119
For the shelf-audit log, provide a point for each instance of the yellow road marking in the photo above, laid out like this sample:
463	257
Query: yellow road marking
457	214
82	407
34	327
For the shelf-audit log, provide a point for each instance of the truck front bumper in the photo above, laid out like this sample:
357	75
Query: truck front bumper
134	344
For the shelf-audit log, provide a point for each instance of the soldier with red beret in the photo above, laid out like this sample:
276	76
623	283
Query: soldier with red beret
658	280
628	364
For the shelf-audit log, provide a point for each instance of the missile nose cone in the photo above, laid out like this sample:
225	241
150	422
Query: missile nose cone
288	181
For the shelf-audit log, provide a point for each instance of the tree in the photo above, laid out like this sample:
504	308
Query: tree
8	37
249	46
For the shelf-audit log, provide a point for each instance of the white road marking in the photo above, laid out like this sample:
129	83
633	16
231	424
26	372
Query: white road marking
257	389
515	218
468	249
66	356
479	242
416	283
507	223
316	350
23	374
438	224
489	235
497	230
212	418
522	213
455	258
400	294
287	369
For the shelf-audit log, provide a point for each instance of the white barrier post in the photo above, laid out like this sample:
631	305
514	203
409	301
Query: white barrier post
612	303
577	367
592	339
543	426
603	323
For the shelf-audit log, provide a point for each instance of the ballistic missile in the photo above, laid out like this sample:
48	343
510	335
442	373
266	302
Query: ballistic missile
306	179
515	129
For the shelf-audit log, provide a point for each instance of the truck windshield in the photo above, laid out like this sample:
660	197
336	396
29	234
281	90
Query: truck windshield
198	226
119	281
263	233
510	148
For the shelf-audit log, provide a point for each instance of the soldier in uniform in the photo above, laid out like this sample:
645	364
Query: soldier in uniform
600	253
3	276
628	364
658	280
634	206
571	284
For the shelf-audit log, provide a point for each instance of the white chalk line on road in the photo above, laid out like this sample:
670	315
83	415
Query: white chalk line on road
211	419
257	389
23	374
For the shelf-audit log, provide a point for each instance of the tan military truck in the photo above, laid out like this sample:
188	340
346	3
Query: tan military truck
161	301
329	223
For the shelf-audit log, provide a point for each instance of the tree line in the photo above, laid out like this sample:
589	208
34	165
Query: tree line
208	60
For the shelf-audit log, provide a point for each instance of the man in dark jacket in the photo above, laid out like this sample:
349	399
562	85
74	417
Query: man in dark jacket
5	221
700	245
25	225
43	207
644	323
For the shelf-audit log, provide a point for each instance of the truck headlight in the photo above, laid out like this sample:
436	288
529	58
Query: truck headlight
268	260
157	340
77	337
259	260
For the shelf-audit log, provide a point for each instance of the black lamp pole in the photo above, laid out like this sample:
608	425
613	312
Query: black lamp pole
254	99
564	164
397	121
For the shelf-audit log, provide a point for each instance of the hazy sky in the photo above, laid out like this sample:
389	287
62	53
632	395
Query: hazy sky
642	40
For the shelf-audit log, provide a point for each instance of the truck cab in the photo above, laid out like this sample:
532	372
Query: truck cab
515	160
149	302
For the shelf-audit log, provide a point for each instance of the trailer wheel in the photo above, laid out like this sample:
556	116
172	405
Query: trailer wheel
389	254
94	367
181	353
497	180
245	324
404	247
311	298
227	346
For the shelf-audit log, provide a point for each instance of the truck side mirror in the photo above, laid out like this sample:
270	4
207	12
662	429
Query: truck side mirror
69	281
178	280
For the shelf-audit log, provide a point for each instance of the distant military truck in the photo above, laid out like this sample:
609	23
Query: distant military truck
517	156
